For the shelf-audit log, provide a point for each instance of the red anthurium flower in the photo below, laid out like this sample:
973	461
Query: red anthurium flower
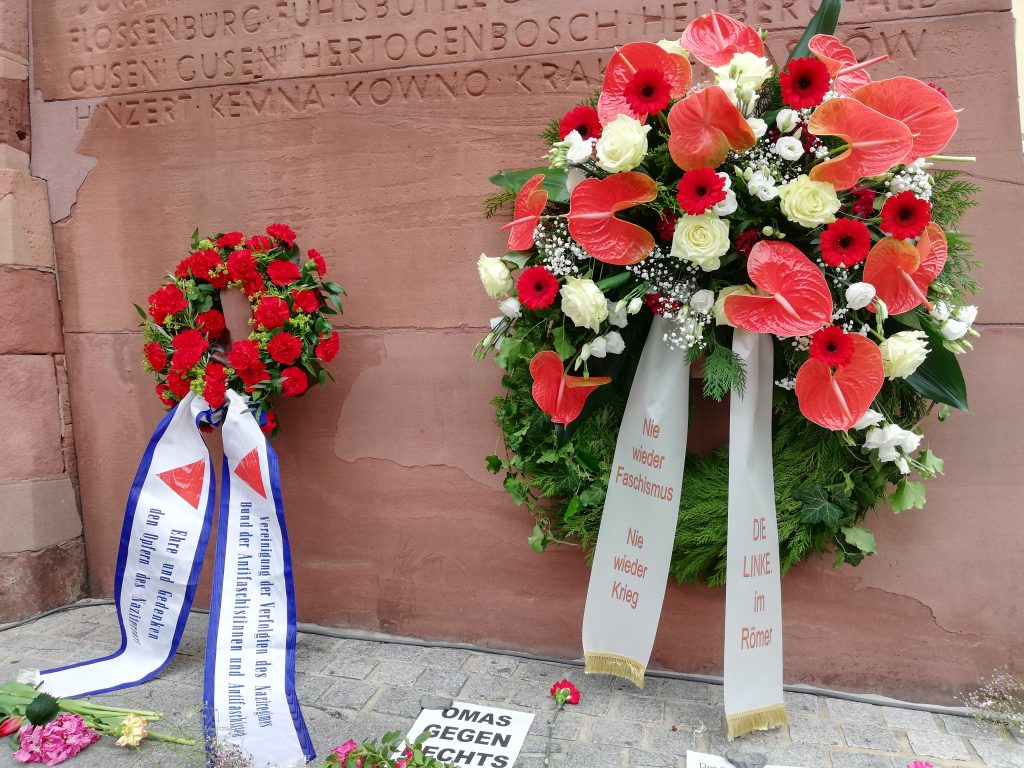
901	272
847	74
583	120
699	190
905	215
571	693
837	396
845	242
592	220
926	112
875	143
537	288
715	38
799	301
832	345
640	79
704	127
560	396
804	82
530	204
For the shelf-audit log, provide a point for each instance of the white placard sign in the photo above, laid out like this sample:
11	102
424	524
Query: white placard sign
701	760
473	736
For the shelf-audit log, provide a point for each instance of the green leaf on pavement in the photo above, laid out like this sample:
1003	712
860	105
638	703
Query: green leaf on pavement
42	709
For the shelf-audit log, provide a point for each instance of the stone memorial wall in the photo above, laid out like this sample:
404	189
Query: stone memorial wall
370	126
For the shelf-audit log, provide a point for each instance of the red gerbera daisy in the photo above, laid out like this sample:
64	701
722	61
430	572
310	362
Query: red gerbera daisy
537	288
832	346
700	189
906	215
845	242
804	82
648	91
747	240
583	120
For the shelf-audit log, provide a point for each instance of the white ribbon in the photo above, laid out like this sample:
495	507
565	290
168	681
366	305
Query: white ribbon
638	524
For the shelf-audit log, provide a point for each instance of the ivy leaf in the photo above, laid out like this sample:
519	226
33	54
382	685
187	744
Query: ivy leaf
931	464
861	538
512	350
538	541
515	489
42	709
908	495
518	258
818	506
573	508
563	346
493	464
592	496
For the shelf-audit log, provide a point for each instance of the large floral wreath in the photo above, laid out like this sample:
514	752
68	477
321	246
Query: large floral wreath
187	341
800	203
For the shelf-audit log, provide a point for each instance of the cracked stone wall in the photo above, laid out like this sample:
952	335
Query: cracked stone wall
370	126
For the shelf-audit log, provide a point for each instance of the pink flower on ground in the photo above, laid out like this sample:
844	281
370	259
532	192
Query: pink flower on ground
920	764
345	749
55	742
405	759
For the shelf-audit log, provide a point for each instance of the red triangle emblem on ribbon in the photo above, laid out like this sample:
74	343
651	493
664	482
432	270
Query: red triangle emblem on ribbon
186	481
248	469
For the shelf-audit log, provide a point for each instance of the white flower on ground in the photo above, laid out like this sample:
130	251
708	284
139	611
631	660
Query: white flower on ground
623	144
789	148
787	120
510	307
702	240
808	203
583	303
702	301
495	276
890	440
869	419
859	295
718	310
614	343
902	353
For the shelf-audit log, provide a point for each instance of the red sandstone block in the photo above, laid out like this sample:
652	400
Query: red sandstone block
32	322
33	582
14	27
14	116
31	444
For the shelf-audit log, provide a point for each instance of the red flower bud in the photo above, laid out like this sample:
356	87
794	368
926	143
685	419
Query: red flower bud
10	726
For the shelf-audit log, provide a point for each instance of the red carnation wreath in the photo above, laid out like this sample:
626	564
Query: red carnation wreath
248	314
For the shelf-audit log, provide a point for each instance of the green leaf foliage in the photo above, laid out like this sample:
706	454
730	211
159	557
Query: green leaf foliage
823	23
42	710
939	377
861	538
723	373
908	495
554	182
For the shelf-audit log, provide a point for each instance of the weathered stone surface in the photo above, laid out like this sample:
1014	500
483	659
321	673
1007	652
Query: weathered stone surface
28	400
14	28
25	235
14	119
35	514
33	582
32	323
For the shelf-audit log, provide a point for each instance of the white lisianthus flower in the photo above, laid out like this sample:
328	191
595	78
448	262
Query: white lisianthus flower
808	203
728	206
762	187
573	177
902	353
635	305
623	144
940	311
859	295
577	149
673	46
617	314
788	148
869	419
952	330
746	69
702	301
890	440
510	307
583	303
702	240
598	347
787	120
967	314
614	343
495	276
718	310
758	126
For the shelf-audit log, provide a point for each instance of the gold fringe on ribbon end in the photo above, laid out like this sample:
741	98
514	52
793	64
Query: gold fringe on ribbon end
756	720
613	664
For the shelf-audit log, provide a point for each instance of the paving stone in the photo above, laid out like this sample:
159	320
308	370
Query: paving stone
972	726
694	713
639	709
395	672
652	759
804	703
619	734
441	681
870	736
309	688
399	701
662	739
587	756
353	667
931	744
488	688
859	760
491	664
568	725
684	689
999	754
348	694
910	718
398	652
543	671
361	647
812	730
593	704
795	754
534	696
447	658
845	711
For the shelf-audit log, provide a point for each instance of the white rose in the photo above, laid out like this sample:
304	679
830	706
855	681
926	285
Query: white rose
635	305
869	419
702	240
808	203
578	150
614	343
719	309
510	307
573	177
583	303
727	206
495	276
617	314
758	126
762	186
859	295
747	69
673	46
890	440
788	148
902	353
702	301
623	144
787	120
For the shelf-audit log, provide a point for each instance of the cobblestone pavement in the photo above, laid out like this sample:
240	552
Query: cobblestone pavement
363	688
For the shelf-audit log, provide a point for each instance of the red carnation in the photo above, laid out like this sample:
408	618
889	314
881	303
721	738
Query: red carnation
165	395
230	240
537	288
583	120
284	348
295	382
327	348
666	226
271	312
269	422
832	346
204	262
699	190
565	692
241	264
283	272
253	284
746	241
184	266
155	356
804	82
283	233
211	323
189	348
845	242
307	301
905	215
259	243
244	355
863	200
660	305
166	301
321	263
648	91
178	384
254	376
215	386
